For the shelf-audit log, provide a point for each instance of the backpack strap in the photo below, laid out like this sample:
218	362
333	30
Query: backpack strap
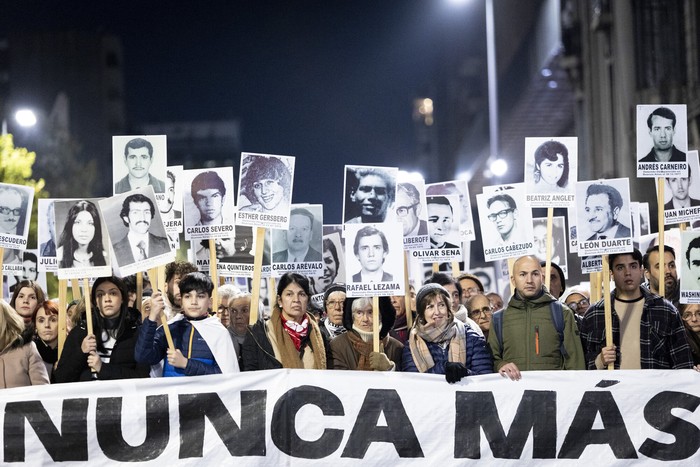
497	327
557	312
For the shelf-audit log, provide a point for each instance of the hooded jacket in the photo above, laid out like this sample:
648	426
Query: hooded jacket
346	357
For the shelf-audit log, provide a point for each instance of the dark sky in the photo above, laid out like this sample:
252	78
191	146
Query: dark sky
330	82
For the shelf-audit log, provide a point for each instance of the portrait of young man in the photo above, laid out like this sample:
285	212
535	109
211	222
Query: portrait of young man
143	159
137	213
370	191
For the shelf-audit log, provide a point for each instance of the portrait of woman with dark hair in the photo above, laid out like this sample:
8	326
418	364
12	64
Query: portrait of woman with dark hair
551	167
80	243
267	184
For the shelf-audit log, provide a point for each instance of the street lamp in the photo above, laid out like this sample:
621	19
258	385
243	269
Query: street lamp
26	118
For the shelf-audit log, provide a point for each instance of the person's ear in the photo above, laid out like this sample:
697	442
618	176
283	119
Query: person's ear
615	213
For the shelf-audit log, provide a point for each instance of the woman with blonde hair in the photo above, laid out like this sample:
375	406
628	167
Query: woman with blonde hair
20	362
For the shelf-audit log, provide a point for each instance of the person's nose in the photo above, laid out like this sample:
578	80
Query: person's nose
263	188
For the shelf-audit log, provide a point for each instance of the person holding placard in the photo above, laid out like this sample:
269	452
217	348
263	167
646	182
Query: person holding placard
108	353
648	331
353	349
291	337
203	346
80	243
525	335
440	344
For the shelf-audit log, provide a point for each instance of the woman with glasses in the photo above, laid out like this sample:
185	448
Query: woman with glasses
334	303
440	344
354	349
691	320
480	310
234	314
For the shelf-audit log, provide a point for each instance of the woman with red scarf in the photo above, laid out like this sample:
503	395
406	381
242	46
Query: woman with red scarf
291	337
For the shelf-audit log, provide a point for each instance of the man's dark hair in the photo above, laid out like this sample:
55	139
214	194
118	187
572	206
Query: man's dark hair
474	278
330	246
443	279
138	143
363	172
178	268
694	243
302	212
663	112
439	200
614	196
556	267
636	255
208	180
504	198
130	283
135	198
196	281
368	232
655	248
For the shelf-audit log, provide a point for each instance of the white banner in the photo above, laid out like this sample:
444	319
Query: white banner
306	417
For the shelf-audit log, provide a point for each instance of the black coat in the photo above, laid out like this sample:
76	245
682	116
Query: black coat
72	366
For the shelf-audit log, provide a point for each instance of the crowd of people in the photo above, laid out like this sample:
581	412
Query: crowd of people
451	326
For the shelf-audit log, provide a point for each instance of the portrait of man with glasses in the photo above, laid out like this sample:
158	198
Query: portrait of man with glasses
503	213
12	210
408	210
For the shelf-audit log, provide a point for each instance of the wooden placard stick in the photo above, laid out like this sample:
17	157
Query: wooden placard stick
407	294
455	268
436	267
214	275
62	325
257	273
272	292
2	276
608	308
375	323
682	226
159	279
662	254
75	288
139	290
88	309
548	262
511	263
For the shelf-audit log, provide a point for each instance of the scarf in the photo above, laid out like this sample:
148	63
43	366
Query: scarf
334	330
284	348
297	331
453	332
362	343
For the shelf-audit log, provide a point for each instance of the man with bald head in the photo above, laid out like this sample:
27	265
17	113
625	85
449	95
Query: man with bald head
529	339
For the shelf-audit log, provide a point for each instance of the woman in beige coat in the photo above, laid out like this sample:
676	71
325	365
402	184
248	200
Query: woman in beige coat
20	362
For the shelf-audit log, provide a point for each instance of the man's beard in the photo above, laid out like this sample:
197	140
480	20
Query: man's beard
173	301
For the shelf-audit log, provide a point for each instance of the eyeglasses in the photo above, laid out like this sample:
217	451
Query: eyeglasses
575	306
402	211
487	310
690	315
500	214
472	291
335	303
378	190
234	311
4	210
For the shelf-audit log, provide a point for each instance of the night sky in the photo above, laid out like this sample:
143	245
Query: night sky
330	82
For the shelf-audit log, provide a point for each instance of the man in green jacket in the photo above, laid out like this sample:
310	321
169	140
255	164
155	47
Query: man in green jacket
530	340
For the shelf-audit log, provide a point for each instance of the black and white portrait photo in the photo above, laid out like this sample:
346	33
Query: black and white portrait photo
604	221
170	206
265	191
374	257
46	223
506	222
369	193
208	201
539	236
662	140
689	258
551	171
299	247
83	243
15	211
410	210
139	161
136	230
333	257
459	188
682	194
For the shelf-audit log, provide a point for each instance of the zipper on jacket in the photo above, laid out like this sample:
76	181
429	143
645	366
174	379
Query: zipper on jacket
537	340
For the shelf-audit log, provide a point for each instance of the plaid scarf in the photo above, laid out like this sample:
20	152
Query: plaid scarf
421	333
